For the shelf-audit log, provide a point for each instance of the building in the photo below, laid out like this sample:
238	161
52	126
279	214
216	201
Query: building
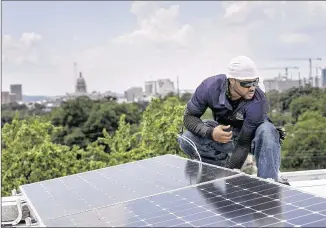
160	87
5	97
150	87
271	84
133	93
280	84
323	77
17	89
165	86
13	97
80	85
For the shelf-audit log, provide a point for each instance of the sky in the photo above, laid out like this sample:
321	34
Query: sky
121	44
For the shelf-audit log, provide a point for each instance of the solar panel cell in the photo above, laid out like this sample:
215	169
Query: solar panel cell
292	214
281	224
323	212
261	222
168	223
60	222
302	220
320	206
224	223
320	223
248	217
284	208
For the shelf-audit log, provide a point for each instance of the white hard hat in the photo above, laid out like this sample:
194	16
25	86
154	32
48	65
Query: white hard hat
242	68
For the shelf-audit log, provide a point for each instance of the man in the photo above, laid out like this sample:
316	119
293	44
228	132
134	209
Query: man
240	124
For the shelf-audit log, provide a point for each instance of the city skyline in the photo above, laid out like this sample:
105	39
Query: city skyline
119	45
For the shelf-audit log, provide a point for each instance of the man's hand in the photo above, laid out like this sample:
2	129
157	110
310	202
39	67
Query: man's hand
221	136
281	133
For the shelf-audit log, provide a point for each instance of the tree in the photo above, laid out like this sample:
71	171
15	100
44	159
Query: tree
160	125
8	111
157	134
106	116
293	93
323	104
83	120
304	146
186	97
29	155
121	140
302	104
73	113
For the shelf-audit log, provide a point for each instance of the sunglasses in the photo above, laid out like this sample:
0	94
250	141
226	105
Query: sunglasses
248	84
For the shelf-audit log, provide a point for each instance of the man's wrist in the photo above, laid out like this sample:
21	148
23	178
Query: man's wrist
209	132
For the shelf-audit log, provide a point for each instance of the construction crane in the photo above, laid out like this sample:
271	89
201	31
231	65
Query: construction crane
305	59
286	68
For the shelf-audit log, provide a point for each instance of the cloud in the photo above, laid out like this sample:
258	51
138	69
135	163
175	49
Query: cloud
30	38
28	49
157	26
292	38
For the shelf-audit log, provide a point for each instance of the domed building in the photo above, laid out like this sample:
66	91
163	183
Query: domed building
81	91
80	85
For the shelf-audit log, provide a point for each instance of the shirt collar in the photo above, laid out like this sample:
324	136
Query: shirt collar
224	93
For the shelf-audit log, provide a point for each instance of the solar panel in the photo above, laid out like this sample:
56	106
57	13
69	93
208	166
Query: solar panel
220	198
240	201
73	194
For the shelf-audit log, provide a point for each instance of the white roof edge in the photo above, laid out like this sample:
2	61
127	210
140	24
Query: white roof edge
305	175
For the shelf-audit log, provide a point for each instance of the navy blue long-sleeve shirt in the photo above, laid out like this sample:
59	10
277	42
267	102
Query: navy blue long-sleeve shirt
245	117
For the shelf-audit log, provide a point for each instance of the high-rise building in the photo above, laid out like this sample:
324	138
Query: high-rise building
5	97
17	89
323	77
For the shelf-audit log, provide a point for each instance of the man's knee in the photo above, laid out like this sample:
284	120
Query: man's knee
267	131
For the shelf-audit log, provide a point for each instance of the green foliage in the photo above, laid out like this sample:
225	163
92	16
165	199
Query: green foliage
161	122
73	112
293	93
29	155
121	140
304	147
9	111
186	97
83	120
302	104
281	119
